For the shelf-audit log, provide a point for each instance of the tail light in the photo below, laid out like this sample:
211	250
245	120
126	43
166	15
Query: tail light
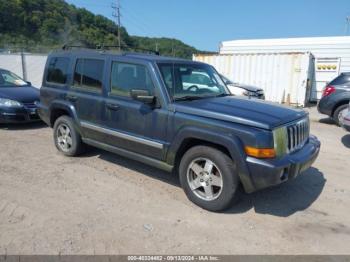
328	90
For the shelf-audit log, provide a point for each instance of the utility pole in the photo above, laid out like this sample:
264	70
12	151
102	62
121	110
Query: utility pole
116	15
347	25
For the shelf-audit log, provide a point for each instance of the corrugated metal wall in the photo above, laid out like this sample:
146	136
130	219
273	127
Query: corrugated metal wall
283	76
12	63
33	64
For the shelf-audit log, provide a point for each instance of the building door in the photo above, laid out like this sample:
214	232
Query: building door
326	69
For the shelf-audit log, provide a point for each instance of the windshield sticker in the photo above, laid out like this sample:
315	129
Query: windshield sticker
19	82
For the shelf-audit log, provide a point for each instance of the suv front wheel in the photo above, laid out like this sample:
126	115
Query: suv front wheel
67	138
208	177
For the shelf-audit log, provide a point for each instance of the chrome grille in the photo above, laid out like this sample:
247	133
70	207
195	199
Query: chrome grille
298	133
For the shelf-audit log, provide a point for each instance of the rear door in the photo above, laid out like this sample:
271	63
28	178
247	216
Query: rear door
86	93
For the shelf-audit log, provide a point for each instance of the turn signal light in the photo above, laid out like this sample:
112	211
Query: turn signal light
260	152
328	90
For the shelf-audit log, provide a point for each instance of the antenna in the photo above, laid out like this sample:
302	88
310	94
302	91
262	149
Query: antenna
116	15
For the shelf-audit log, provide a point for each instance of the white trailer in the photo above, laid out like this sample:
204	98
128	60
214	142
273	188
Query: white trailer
285	77
332	54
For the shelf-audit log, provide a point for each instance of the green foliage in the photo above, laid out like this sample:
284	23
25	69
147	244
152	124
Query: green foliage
49	24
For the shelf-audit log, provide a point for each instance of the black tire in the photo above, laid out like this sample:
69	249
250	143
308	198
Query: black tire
77	147
226	167
337	112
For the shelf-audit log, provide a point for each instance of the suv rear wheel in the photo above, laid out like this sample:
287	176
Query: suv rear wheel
208	177
339	114
67	138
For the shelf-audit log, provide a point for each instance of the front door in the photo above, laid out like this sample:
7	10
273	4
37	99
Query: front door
131	124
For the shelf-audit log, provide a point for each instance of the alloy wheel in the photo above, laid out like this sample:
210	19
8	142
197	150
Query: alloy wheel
205	179
64	137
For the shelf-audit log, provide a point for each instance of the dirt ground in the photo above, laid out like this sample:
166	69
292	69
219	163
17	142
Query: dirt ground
102	203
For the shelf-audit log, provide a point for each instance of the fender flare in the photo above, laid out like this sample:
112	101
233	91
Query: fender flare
231	142
68	107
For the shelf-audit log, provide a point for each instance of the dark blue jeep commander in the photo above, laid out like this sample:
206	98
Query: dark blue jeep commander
162	112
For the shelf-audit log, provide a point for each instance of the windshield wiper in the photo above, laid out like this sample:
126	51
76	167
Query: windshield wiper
222	95
188	98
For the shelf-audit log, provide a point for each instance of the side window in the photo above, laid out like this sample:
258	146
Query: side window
57	70
125	77
88	74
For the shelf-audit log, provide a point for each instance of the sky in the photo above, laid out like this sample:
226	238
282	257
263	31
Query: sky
205	23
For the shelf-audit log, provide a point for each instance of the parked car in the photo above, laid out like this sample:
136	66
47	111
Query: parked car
345	120
17	99
239	89
336	97
138	106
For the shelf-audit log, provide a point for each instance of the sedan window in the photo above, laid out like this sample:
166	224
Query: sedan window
9	79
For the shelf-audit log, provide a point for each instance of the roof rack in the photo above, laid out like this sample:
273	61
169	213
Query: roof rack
109	47
69	47
126	48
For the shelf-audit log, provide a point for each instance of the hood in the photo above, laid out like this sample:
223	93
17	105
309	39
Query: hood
25	94
252	112
247	87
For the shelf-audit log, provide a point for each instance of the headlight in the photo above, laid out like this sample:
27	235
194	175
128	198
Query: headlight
280	138
9	103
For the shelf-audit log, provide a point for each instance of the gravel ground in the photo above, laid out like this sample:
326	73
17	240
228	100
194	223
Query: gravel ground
101	203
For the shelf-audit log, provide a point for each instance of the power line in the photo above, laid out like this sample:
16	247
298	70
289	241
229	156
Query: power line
138	20
140	23
347	24
116	15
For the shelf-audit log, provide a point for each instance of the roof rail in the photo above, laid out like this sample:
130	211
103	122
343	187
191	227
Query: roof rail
127	48
122	48
69	47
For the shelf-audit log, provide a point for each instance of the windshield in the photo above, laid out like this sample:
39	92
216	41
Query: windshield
9	79
192	81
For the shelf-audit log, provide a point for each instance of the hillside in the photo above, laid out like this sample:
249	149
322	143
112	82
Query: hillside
41	25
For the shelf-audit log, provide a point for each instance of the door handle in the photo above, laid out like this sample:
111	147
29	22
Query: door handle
112	106
71	98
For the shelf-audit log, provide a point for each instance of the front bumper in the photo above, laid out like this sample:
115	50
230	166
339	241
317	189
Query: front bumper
267	173
19	115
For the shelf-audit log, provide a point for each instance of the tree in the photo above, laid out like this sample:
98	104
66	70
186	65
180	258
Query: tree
47	24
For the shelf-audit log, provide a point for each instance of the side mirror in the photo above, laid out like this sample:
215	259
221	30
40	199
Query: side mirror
29	83
142	95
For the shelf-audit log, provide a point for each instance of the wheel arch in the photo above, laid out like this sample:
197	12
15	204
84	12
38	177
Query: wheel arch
230	145
58	109
340	103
